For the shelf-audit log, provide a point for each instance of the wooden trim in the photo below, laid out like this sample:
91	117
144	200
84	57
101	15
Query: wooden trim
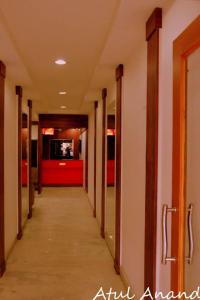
119	75
19	93
95	158
63	121
183	46
30	183
104	96
24	120
2	229
153	25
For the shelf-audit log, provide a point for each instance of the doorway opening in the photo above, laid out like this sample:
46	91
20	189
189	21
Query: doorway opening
62	150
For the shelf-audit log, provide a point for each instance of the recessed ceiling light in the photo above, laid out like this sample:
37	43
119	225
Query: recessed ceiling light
62	93
60	61
63	107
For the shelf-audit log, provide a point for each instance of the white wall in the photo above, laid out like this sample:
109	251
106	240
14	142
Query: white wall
133	169
176	18
11	166
91	157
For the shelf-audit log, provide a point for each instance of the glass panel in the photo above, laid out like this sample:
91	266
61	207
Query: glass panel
193	173
34	153
25	200
110	191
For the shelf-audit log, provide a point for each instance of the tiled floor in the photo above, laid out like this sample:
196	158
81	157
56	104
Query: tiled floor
110	218
61	256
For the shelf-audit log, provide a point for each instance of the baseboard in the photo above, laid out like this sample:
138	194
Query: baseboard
125	280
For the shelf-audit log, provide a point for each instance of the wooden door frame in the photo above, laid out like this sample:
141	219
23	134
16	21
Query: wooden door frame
153	26
118	76
30	182
103	189
183	46
19	94
2	113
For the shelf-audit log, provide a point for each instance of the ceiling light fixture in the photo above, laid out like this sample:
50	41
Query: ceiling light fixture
62	93
60	61
63	107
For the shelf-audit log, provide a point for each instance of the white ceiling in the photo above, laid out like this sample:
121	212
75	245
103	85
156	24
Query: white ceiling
94	35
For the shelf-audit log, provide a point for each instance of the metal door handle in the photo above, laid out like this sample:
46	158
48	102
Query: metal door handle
190	234
165	212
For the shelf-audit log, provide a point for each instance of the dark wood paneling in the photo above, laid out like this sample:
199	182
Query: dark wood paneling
154	22
24	120
63	121
95	158
104	96
19	93
2	234
119	75
30	181
152	34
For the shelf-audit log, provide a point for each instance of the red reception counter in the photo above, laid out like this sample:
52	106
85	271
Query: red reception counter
62	172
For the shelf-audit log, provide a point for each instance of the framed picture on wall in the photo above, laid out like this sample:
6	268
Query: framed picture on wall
61	149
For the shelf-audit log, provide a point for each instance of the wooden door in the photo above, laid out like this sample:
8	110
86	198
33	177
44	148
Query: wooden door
185	243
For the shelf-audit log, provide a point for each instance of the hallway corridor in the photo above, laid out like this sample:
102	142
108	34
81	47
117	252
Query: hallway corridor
61	255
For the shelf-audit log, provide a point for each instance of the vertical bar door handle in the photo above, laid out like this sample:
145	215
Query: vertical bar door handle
165	212
190	234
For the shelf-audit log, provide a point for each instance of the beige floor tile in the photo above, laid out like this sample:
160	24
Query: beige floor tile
61	255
